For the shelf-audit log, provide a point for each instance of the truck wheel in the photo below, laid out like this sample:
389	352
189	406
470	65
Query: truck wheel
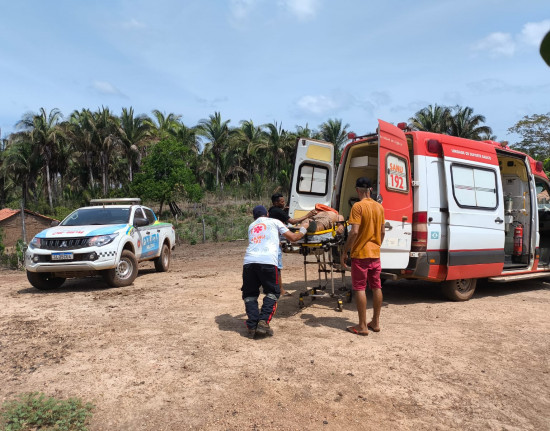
162	263
44	280
125	272
459	290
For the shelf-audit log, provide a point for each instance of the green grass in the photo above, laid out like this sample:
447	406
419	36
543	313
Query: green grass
36	411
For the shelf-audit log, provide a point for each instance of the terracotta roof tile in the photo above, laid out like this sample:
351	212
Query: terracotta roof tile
7	213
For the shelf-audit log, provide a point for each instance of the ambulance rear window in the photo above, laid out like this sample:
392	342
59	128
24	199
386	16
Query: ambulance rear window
313	179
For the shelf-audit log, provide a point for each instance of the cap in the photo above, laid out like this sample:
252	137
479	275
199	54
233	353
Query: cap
363	183
259	211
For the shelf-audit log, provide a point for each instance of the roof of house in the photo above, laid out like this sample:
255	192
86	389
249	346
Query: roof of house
6	213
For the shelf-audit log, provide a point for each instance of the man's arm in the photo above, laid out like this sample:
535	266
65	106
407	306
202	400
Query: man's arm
295	236
301	219
382	233
352	236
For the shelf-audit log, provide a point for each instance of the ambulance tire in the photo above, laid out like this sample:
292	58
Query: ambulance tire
44	280
162	263
459	290
125	273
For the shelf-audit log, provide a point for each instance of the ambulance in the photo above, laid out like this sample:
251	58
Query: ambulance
456	210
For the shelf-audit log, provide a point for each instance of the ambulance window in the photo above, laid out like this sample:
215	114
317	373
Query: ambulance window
474	187
313	179
396	171
543	196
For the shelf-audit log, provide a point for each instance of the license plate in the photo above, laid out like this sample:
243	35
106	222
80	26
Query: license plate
62	256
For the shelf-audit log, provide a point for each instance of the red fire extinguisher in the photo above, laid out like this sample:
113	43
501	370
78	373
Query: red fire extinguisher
518	240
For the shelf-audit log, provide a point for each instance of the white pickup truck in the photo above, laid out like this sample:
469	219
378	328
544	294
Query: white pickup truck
109	238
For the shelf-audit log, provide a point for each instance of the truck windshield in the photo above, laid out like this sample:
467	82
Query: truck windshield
98	216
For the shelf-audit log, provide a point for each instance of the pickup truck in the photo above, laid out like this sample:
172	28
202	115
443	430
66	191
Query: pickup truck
110	238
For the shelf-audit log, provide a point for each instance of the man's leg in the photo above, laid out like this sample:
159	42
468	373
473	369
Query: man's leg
251	291
375	268
377	297
270	283
280	266
359	282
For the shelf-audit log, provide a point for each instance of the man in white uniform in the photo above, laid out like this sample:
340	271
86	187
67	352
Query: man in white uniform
260	269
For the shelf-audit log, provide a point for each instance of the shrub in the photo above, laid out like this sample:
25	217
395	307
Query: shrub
35	410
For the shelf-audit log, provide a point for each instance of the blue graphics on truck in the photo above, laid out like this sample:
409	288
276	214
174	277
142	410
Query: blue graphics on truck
107	230
150	245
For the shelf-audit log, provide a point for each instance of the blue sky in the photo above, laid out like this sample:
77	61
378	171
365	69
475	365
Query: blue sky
294	62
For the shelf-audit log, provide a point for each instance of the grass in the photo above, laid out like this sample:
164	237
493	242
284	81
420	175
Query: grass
33	411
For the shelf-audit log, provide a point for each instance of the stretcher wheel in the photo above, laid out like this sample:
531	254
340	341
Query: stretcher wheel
301	302
340	306
349	295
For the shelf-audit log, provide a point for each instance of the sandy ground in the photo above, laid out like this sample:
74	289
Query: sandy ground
170	353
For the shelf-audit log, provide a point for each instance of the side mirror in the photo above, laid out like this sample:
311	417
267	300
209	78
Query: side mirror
140	221
54	223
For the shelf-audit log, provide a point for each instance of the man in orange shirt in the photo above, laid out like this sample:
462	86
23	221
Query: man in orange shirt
364	241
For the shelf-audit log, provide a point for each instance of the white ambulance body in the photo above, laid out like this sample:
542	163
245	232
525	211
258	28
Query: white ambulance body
456	210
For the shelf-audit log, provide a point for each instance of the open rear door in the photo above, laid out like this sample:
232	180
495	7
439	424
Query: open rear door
476	212
313	176
395	191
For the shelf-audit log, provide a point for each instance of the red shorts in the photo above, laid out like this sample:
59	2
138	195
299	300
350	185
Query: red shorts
363	270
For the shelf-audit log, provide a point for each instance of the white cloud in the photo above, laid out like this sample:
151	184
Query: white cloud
107	88
318	105
507	44
533	32
497	44
303	9
240	9
132	24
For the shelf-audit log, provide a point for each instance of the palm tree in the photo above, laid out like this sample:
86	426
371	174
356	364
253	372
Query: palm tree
465	124
217	132
45	132
279	143
431	119
21	165
250	137
82	132
333	131
134	132
106	139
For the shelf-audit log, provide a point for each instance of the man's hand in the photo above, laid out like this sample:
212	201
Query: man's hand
305	223
311	213
343	258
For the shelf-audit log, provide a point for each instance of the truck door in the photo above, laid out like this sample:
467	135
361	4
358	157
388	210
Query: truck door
476	212
313	176
395	193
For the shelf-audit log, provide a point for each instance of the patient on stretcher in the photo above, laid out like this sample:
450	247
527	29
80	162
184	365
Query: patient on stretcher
324	219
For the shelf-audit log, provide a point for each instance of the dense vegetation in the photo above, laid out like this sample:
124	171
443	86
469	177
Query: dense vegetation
53	164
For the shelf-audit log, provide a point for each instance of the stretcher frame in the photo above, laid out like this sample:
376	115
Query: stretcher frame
324	250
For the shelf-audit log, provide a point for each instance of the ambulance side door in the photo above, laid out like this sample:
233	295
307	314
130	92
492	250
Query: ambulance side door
313	176
396	195
476	212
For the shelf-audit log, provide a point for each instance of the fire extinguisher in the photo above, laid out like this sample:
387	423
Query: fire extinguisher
518	240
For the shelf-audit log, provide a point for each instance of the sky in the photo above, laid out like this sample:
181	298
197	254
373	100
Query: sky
293	62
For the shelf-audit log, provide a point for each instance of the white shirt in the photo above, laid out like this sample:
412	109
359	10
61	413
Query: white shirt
263	241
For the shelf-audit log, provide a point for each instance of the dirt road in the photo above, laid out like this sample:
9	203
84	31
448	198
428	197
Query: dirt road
170	353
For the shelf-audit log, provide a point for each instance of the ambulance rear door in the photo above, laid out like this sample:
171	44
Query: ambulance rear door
476	211
395	193
313	176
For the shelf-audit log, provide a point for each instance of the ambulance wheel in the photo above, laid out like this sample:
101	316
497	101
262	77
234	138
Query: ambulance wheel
459	290
162	263
44	280
125	272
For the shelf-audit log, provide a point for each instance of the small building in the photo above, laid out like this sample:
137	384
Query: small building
10	226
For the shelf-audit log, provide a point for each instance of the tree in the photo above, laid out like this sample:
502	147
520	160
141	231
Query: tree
535	131
164	174
465	124
431	119
21	165
333	131
134	132
217	132
44	132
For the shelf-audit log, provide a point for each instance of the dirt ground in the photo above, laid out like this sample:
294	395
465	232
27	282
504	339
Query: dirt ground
170	353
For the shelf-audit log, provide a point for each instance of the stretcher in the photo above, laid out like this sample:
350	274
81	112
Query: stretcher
325	247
